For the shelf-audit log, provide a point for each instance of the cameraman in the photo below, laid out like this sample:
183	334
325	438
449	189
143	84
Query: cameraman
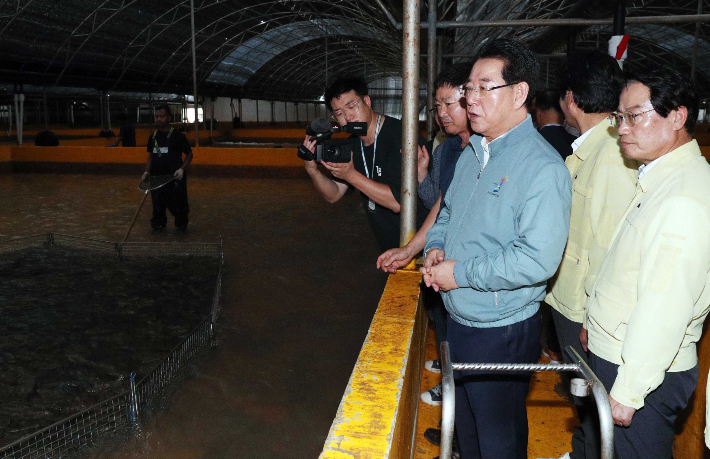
375	166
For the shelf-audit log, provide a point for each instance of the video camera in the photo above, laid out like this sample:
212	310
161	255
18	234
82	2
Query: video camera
327	149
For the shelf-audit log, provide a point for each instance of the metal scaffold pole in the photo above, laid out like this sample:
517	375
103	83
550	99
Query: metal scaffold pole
431	68
410	121
194	72
695	42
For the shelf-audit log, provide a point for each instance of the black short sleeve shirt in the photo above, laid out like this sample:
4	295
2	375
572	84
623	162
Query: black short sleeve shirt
386	169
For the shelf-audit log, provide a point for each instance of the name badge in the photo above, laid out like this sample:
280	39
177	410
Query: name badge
160	150
371	205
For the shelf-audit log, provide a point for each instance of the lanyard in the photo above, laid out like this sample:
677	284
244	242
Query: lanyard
374	150
155	139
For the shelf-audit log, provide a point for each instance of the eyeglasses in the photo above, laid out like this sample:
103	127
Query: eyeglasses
628	118
481	91
350	107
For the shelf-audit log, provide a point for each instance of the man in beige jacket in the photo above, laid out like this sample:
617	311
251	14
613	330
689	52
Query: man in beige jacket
603	184
650	299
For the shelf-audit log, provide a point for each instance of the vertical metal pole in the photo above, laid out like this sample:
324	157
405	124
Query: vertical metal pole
439	53
133	397
601	398
431	68
241	120
448	402
71	112
410	121
286	111
108	111
295	107
138	113
619	19
46	110
101	111
17	114
326	62
211	117
9	112
695	43
273	119
257	110
194	71
21	119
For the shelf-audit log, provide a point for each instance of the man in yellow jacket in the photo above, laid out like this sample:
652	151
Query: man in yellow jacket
650	299
603	184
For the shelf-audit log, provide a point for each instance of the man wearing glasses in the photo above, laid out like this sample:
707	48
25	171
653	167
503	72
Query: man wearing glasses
603	184
647	307
376	165
499	236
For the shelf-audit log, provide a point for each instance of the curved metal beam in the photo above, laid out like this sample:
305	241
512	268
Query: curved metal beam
68	61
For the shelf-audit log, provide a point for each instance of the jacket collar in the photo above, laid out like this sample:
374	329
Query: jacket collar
668	163
596	134
508	140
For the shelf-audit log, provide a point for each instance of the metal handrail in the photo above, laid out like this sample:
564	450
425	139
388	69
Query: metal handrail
601	397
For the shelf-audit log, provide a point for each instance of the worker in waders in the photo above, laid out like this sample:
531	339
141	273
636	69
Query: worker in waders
166	147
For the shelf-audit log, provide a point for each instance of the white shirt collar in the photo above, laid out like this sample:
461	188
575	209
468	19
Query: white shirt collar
644	168
487	149
578	141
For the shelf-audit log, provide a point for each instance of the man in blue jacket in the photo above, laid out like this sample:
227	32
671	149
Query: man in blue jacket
498	238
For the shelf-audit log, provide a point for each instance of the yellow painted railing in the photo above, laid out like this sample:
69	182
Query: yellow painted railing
377	416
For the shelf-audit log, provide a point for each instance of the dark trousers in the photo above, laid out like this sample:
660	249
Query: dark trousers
172	197
650	435
491	416
587	437
436	312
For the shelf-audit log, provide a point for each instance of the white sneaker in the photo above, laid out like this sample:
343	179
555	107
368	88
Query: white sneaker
433	365
433	396
564	456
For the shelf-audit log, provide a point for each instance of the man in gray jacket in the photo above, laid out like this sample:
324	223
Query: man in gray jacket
498	238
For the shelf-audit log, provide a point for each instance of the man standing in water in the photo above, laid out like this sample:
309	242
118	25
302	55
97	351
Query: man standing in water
165	149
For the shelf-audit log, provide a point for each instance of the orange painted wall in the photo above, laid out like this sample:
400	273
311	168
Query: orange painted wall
270	157
5	154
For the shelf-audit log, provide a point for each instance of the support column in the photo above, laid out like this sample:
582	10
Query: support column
211	117
19	113
695	42
45	110
431	68
194	72
439	54
617	44
9	119
101	111
410	121
108	111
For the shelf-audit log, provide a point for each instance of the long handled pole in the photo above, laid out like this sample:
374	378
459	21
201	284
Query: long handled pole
135	217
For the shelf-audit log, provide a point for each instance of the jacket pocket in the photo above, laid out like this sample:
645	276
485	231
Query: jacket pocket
568	287
615	306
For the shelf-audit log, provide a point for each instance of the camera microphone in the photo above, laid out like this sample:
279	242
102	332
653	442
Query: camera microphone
320	128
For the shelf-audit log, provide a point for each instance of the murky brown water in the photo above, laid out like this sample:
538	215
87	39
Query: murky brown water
300	289
76	323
